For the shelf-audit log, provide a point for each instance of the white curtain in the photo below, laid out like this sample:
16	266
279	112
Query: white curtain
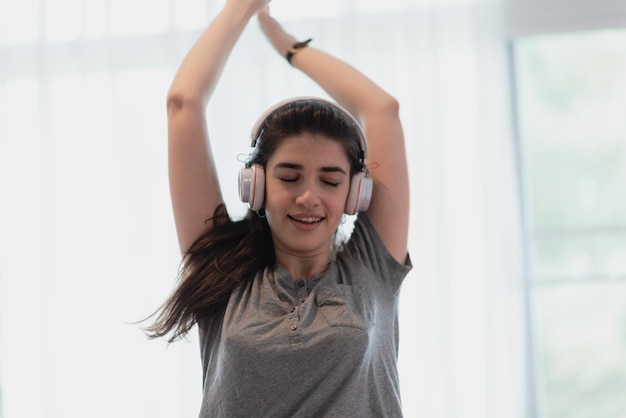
87	244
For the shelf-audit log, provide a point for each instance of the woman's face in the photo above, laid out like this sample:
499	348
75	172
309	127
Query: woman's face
306	186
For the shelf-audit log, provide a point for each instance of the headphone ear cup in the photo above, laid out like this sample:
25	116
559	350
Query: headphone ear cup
359	195
252	186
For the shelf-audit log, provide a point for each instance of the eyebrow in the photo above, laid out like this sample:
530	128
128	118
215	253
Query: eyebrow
326	169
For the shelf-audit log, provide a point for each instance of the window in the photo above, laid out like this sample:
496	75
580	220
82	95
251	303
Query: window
571	113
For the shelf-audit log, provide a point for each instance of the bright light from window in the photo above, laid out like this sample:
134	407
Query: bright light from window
377	6
139	17
63	20
19	22
190	14
96	18
20	221
301	10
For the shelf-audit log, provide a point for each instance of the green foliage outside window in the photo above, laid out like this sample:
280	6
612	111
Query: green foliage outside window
572	125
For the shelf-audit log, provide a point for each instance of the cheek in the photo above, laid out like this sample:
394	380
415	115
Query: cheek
276	201
337	203
273	193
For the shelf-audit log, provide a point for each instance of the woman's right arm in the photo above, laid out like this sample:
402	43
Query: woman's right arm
194	185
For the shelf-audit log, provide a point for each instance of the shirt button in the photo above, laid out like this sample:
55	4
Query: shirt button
294	327
302	299
301	283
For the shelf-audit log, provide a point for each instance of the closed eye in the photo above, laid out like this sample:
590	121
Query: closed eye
288	179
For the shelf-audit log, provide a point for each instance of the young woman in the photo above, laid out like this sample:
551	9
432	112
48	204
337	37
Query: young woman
291	325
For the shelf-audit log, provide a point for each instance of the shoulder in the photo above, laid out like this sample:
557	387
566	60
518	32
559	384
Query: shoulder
366	248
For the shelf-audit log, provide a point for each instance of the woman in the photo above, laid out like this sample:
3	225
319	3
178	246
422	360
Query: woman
290	325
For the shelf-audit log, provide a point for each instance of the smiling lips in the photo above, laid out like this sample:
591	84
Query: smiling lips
308	220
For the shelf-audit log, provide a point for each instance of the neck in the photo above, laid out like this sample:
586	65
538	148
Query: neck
303	267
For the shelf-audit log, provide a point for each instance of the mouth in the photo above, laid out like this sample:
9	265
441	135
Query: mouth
308	220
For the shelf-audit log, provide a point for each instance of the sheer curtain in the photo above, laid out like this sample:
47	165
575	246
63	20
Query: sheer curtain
87	244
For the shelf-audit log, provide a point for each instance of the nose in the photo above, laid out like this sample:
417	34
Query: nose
308	196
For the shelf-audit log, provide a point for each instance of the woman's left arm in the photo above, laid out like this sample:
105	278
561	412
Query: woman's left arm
379	114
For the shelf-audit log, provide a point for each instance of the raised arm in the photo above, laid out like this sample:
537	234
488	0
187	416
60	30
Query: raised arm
194	186
378	112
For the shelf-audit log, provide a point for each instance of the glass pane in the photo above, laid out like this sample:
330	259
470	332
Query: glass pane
293	10
190	14
95	18
21	223
587	255
139	17
572	113
376	6
582	332
572	128
63	20
20	158
19	23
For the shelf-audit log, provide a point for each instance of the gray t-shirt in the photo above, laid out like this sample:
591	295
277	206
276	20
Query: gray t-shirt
323	347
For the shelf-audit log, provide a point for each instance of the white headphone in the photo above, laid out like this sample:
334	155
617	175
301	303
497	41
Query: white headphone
252	178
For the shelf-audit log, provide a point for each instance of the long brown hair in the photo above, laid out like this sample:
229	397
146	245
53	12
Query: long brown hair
229	253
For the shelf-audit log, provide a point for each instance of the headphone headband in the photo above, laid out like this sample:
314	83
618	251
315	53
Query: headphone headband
256	129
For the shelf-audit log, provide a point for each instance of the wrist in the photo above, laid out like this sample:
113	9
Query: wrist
295	48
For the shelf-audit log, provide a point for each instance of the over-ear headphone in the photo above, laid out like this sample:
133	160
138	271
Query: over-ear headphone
252	177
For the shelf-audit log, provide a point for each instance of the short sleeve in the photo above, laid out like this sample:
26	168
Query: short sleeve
367	249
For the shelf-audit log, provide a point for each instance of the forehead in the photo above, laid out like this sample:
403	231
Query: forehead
310	149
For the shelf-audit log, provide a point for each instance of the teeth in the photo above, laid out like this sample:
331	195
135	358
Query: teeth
307	220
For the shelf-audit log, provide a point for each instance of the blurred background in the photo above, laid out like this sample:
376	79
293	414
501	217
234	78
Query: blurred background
515	119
